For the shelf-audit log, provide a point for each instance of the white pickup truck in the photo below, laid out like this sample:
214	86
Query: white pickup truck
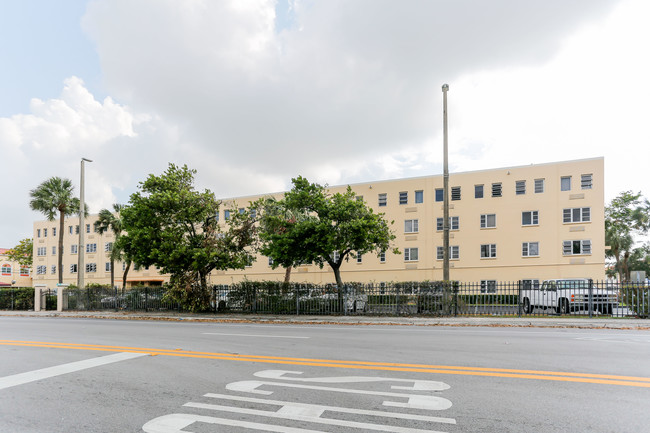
568	295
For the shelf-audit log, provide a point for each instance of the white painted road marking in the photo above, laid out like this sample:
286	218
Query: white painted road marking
252	335
427	402
418	385
175	422
44	373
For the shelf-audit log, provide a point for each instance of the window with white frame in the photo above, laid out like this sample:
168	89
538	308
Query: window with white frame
454	252
530	249
419	196
382	199
411	226
497	191
41	270
41	251
108	247
531	283
488	286
359	258
488	221
74	249
410	254
382	257
6	269
24	271
586	181
91	267
520	187
530	218
565	183
488	251
91	248
576	215
53	269
44	233
73	268
270	261
577	247
107	266
403	197
539	186
454	223
455	193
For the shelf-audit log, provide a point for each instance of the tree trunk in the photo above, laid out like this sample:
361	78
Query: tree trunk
287	274
126	272
60	258
112	273
339	285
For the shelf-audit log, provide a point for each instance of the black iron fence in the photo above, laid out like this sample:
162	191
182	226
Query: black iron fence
17	298
487	298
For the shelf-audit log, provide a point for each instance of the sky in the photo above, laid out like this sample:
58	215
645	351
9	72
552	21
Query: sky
252	93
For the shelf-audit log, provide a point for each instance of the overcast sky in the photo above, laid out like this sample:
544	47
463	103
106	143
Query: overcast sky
253	93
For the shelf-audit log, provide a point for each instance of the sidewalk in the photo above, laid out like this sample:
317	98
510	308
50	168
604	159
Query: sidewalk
581	322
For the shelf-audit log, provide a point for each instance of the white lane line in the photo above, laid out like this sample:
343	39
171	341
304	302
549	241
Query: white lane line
252	335
175	422
44	373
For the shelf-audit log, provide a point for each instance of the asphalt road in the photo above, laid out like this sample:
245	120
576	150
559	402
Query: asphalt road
88	375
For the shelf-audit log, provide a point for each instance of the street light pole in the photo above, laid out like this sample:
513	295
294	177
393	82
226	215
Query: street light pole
445	186
82	229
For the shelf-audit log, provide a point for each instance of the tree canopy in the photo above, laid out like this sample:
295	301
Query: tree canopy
312	226
171	225
626	217
23	253
112	221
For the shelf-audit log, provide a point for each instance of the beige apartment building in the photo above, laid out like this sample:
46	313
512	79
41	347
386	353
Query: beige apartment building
12	273
532	223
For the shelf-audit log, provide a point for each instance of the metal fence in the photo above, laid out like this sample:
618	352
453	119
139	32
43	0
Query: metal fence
17	298
488	298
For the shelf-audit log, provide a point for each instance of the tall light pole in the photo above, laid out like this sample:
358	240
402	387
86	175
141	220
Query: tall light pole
445	186
81	269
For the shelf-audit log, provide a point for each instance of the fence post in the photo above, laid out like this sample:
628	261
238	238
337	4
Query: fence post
455	291
519	298
115	294
146	298
296	291
12	298
591	300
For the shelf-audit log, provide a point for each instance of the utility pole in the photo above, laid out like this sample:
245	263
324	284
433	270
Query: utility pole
81	248
445	186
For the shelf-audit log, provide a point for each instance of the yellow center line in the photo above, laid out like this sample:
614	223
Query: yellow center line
608	379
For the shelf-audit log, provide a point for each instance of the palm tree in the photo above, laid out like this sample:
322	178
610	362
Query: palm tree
54	196
112	221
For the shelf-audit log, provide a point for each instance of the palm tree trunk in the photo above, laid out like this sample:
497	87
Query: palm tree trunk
112	272
60	247
126	271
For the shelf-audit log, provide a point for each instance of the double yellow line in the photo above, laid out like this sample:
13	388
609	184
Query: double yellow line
605	379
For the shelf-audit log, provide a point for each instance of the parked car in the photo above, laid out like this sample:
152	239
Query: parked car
568	295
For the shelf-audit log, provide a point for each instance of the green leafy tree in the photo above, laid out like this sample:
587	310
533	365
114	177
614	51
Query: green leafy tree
627	216
339	226
112	221
55	196
171	225
23	253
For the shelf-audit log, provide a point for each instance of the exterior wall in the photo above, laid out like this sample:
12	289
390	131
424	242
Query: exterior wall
11	271
46	236
508	235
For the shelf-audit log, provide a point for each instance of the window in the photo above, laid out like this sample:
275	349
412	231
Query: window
6	269
419	196
44	233
403	198
270	261
382	200
382	257
585	181
54	251
253	212
76	230
41	270
440	194
38	233
359	258
226	215
53	231
576	215
124	266
530	218
53	270
91	248
411	226
107	266
70	229
335	256
488	221
74	249
488	286
87	228
496	189
539	187
571	248
73	268
41	251
216	216
454	252
530	284
136	267
520	187
24	271
565	183
453	223
91	267
478	191
410	254
242	211
108	247
530	249
455	193
488	251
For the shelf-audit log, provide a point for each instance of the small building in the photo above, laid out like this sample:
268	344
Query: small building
12	273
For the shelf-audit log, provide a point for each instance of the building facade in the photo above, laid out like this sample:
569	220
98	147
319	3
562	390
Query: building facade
529	223
12	273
